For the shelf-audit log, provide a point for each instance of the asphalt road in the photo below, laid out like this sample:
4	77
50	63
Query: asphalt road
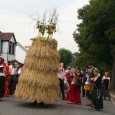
13	106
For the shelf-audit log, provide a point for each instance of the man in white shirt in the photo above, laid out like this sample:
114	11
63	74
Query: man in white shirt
13	71
61	76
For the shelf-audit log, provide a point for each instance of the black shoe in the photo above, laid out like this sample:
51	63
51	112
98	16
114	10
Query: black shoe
41	104
109	99
35	102
97	109
63	98
88	105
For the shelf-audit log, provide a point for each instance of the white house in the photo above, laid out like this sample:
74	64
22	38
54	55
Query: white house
7	46
10	49
21	52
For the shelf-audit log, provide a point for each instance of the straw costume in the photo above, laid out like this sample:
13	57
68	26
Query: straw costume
38	80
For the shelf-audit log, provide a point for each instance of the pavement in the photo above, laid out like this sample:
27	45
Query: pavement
13	106
112	94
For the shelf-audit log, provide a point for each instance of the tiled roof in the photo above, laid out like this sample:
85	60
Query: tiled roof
6	36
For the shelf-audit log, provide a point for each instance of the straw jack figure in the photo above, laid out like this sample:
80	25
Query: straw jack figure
51	28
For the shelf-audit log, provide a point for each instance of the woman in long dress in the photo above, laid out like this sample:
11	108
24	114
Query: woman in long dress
106	85
97	96
73	93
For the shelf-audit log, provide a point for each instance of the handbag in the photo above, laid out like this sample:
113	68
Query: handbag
87	87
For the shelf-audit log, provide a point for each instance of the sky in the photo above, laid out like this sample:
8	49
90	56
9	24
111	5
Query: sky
20	16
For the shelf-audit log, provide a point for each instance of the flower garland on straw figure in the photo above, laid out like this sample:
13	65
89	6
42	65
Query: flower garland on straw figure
38	80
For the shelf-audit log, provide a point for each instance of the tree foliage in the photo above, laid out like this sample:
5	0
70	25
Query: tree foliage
95	35
65	56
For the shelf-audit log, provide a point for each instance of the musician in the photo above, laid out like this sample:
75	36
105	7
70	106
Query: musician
7	77
13	71
2	79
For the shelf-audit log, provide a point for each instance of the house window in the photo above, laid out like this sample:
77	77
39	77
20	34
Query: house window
0	46
11	48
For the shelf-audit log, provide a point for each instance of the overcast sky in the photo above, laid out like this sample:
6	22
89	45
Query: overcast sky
19	16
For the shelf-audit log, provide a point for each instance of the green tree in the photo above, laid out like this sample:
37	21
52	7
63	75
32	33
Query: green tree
74	61
80	59
96	33
65	56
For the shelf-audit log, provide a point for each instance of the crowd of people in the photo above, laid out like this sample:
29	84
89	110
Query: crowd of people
74	83
9	74
88	83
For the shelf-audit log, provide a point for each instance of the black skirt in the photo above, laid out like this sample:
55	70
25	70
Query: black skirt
2	86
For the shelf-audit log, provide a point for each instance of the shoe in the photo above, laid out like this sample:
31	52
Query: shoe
109	99
35	102
88	105
41	104
69	102
97	109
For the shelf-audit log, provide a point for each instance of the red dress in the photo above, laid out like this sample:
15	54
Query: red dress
6	67
73	94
